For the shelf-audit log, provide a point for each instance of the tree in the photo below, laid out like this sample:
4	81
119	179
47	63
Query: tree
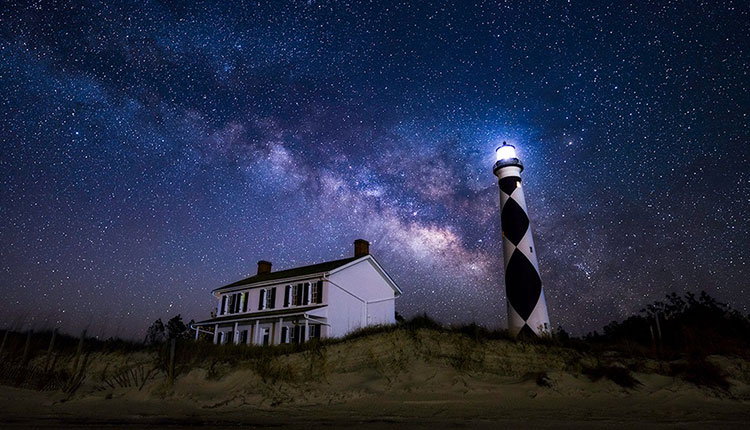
176	329
155	333
689	323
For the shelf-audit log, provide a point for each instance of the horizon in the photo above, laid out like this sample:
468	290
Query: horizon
147	161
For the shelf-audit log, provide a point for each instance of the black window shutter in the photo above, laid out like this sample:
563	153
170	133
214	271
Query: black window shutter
286	295
307	293
298	296
273	298
261	299
319	286
244	306
223	305
237	302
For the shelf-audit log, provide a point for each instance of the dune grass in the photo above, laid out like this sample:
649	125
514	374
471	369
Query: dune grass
31	360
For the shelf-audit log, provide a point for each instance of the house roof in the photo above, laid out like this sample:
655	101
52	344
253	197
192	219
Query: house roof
291	273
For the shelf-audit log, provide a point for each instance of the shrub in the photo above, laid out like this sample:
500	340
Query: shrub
701	373
619	375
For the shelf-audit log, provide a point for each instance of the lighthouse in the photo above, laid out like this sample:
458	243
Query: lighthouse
527	309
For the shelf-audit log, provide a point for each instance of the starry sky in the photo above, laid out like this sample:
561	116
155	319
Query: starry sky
153	151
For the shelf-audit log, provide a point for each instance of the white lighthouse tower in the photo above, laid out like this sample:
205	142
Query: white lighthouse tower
527	309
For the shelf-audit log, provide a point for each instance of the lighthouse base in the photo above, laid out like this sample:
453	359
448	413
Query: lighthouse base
536	324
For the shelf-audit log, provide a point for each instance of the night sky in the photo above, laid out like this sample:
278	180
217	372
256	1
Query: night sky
154	151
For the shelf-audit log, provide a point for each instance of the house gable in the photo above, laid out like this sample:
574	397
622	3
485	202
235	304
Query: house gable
366	279
376	266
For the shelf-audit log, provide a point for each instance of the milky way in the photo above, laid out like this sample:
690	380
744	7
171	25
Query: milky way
153	152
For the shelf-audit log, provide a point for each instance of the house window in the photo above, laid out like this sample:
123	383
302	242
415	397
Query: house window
287	296
306	292
243	337
284	334
298	334
262	300
271	298
317	293
220	340
297	295
233	304
267	299
315	331
266	336
229	337
223	308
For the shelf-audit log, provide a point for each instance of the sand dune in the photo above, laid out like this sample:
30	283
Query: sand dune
423	378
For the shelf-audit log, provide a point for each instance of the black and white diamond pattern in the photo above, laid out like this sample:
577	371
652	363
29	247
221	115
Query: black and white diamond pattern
527	310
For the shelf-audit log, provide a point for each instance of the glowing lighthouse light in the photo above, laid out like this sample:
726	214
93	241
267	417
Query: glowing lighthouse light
505	152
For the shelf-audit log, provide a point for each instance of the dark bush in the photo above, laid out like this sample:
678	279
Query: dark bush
619	375
701	373
699	326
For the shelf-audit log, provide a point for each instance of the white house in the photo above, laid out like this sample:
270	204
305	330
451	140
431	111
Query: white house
323	300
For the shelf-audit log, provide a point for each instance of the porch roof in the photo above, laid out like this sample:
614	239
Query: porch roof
296	311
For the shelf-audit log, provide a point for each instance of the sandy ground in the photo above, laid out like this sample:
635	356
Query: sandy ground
520	406
393	380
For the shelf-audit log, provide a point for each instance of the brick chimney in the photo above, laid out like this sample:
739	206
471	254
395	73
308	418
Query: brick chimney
264	267
361	248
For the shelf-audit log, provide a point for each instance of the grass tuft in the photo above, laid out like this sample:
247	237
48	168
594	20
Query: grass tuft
619	375
700	372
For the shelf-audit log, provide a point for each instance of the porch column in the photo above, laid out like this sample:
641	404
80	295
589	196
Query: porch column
257	332
197	331
235	336
307	331
216	333
277	334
